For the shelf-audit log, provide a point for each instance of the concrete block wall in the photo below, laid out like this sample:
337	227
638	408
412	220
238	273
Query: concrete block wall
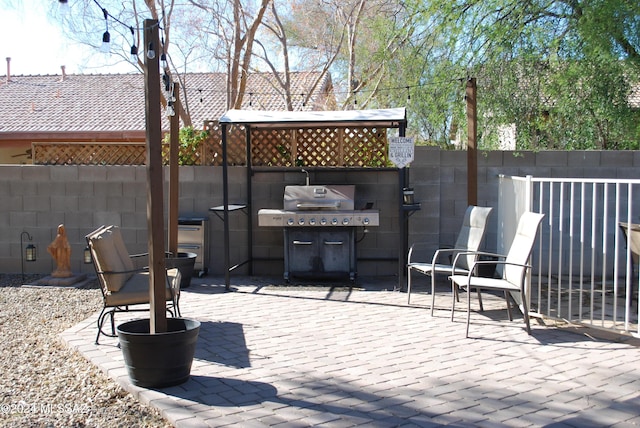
36	199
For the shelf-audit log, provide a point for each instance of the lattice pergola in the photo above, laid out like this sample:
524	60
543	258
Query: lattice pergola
315	138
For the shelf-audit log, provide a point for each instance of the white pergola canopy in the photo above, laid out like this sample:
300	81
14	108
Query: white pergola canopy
389	118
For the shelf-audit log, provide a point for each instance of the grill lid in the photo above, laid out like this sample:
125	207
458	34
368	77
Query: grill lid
319	198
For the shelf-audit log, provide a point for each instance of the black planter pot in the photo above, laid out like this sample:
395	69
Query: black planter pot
161	359
185	263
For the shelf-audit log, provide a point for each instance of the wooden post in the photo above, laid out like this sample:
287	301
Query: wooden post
155	214
472	136
174	147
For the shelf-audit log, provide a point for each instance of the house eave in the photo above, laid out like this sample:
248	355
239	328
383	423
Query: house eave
74	136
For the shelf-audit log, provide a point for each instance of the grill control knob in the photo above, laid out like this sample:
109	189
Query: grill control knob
312	222
365	221
323	221
345	220
290	222
334	221
301	221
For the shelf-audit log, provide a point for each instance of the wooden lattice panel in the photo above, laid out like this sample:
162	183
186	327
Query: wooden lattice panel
318	147
89	154
346	147
236	145
365	147
271	147
187	155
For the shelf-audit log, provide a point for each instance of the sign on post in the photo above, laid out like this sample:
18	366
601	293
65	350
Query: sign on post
401	151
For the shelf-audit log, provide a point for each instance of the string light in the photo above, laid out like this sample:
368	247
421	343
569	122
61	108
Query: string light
163	56
171	99
151	53
170	110
63	7
134	48
106	37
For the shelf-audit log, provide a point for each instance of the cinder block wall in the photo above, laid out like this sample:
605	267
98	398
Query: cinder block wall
36	199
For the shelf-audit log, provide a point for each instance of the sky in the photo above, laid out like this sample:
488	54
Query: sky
31	35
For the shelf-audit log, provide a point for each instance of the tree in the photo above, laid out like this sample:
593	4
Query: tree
560	71
221	38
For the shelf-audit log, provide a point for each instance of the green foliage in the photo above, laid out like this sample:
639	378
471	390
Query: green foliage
558	74
190	141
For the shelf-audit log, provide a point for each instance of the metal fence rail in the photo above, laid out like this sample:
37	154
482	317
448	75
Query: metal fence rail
584	268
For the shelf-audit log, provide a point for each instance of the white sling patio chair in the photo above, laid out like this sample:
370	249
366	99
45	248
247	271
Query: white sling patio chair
124	278
469	239
514	270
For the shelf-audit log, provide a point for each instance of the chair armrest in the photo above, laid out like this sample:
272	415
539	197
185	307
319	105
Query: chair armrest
451	251
496	262
475	253
416	251
500	262
116	272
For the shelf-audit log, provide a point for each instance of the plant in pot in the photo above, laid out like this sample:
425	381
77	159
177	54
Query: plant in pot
157	351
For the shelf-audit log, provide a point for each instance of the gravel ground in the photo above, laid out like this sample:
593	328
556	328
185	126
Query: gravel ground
42	382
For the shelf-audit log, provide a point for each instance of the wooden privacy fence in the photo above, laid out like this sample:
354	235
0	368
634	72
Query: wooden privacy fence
334	146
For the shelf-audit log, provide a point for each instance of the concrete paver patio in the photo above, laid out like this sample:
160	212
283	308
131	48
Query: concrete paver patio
273	355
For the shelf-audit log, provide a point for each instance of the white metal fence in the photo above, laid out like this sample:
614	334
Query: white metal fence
584	270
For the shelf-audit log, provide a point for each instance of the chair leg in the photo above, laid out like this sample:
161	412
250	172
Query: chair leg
468	311
101	318
433	292
454	295
525	312
113	324
480	299
408	285
99	323
506	299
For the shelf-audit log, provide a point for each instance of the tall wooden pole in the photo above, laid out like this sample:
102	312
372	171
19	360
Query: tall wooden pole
174	193
472	136
155	214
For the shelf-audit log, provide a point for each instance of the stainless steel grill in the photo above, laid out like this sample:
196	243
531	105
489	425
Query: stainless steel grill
319	224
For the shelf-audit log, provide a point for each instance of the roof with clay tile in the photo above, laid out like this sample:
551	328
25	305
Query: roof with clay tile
115	102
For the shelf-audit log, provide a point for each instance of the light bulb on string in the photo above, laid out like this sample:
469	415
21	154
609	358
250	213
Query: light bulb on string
63	7
134	48
163	60
163	55
134	53
170	110
151	53
106	42
106	37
